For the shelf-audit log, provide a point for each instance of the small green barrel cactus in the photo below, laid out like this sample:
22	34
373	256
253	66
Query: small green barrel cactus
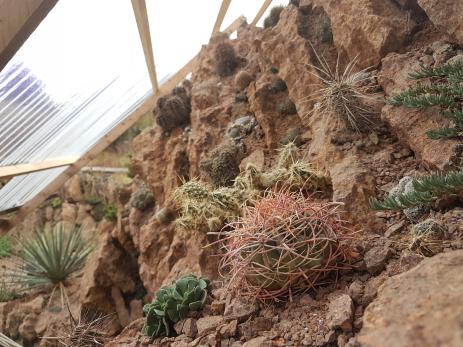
173	303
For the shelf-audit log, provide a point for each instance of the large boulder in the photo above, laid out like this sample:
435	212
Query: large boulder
445	15
384	27
421	307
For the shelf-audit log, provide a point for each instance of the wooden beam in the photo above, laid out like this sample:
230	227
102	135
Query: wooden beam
221	16
20	169
141	16
261	11
115	133
17	36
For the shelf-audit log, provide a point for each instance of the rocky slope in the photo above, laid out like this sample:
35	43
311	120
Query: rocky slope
139	253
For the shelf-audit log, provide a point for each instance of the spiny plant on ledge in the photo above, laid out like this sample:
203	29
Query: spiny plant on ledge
203	208
226	59
49	258
206	209
89	330
425	190
173	303
443	89
286	244
273	17
344	93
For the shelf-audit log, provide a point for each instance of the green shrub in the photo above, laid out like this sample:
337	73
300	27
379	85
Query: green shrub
172	304
56	202
110	212
443	89
226	60
425	190
5	246
92	200
51	257
273	17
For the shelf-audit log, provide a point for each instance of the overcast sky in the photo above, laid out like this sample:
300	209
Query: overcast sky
84	42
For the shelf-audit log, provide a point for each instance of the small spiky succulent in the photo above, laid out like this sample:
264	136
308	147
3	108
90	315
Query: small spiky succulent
110	212
142	199
277	86
273	17
242	80
226	59
222	165
171	112
89	330
345	94
285	244
427	237
205	209
173	303
287	107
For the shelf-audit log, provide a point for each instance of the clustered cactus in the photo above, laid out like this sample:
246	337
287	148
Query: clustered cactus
287	107
273	17
173	303
242	80
277	86
226	59
171	112
142	199
285	244
205	209
222	165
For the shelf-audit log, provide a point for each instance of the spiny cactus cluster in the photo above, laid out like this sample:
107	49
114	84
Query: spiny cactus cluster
222	165
427	237
345	94
242	80
273	17
171	112
277	86
226	59
286	107
173	303
203	208
285	244
443	89
142	199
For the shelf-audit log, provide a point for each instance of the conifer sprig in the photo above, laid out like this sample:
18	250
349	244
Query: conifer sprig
425	190
445	92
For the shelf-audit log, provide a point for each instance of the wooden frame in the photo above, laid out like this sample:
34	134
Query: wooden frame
141	16
15	170
117	131
261	11
26	30
221	15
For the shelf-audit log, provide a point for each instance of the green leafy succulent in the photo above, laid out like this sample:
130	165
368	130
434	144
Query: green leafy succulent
173	303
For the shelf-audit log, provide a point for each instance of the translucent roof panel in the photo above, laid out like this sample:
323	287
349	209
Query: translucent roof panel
77	76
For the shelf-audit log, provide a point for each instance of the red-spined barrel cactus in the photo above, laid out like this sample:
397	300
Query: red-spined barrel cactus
285	244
